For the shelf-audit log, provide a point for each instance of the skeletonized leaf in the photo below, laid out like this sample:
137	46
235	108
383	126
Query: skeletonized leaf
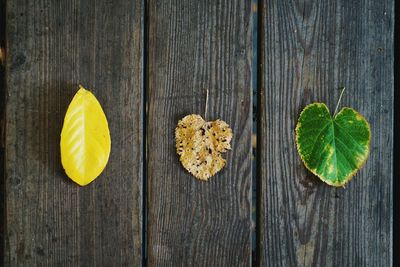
334	149
200	143
85	138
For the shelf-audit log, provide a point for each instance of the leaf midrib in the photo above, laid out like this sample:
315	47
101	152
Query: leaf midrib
334	147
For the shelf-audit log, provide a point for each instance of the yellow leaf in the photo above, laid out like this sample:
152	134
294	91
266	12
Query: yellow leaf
85	138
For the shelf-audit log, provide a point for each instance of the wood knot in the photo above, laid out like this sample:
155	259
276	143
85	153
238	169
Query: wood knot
2	56
309	181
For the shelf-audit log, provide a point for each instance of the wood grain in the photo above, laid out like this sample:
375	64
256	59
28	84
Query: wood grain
2	118
308	50
194	46
53	46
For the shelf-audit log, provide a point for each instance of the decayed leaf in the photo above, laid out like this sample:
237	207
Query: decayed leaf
334	149
85	138
200	144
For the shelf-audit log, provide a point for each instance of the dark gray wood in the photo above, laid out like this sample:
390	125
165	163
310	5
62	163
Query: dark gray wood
194	46
2	118
309	49
53	46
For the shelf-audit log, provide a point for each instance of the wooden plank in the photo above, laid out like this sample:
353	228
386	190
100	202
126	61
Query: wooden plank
52	46
2	118
310	49
194	46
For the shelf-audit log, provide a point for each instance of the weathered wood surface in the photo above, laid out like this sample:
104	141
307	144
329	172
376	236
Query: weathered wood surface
2	118
309	49
52	46
194	46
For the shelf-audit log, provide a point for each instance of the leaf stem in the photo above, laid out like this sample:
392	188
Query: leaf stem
205	109
340	99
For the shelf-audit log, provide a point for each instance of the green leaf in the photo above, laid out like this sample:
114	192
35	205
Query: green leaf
334	149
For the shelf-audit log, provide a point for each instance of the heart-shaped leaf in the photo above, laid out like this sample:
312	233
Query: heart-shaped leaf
85	138
200	144
334	149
